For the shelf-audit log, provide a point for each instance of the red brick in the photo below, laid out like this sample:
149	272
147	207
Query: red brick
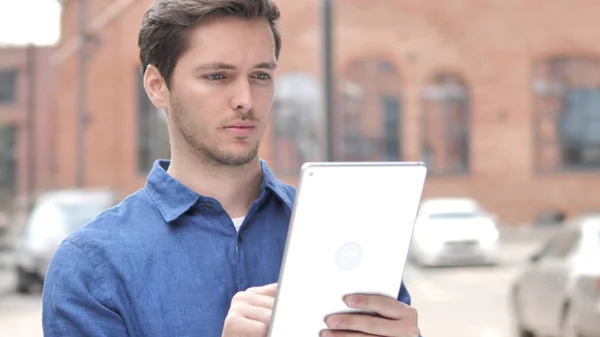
491	44
15	114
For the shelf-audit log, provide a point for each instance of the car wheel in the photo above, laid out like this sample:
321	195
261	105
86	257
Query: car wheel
24	281
568	327
520	332
517	325
27	282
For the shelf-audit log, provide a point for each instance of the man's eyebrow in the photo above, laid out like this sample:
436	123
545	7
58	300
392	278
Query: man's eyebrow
267	65
224	66
215	66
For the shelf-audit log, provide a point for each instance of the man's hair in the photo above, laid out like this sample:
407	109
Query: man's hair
165	29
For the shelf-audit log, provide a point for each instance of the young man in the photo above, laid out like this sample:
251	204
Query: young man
197	251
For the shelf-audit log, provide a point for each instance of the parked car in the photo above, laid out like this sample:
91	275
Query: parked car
454	231
557	293
53	217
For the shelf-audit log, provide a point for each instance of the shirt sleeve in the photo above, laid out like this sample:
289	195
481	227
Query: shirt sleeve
404	297
73	301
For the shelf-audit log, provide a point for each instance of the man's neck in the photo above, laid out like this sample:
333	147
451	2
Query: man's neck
235	187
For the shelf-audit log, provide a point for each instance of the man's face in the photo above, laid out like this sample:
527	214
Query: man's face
222	89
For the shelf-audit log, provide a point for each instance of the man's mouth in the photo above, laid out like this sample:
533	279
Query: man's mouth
240	130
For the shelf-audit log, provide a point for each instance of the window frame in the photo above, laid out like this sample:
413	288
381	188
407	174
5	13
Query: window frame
307	99
460	132
13	78
552	86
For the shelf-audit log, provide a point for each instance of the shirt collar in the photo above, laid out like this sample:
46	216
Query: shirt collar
174	198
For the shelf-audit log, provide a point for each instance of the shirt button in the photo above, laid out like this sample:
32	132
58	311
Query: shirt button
239	238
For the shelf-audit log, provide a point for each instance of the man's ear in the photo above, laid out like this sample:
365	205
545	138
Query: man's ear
156	87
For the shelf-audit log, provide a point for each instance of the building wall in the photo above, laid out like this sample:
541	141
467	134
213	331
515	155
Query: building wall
15	114
491	45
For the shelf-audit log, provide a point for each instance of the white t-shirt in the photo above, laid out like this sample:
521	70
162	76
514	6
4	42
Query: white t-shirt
237	222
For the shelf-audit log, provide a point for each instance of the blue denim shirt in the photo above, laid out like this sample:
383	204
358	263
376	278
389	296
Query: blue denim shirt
165	262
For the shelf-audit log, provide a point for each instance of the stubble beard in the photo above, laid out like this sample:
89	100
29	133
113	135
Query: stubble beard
214	155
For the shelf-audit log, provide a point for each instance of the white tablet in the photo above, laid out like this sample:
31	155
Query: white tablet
350	232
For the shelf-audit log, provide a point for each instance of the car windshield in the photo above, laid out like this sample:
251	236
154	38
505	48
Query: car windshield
54	217
77	215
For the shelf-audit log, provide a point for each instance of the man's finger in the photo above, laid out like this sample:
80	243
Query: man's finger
385	306
240	323
256	300
258	314
361	323
341	333
267	290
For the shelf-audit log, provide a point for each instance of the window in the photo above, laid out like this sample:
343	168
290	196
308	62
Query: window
567	114
386	67
8	85
391	123
355	146
8	162
370	112
297	123
445	125
153	135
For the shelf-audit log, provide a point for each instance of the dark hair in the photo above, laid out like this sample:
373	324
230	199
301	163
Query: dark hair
163	35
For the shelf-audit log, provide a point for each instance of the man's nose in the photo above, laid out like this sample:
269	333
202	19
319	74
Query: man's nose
242	97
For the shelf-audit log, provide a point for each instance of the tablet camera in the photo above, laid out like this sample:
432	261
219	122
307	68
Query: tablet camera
348	256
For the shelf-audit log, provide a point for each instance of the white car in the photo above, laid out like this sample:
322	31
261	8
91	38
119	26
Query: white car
557	292
454	231
55	215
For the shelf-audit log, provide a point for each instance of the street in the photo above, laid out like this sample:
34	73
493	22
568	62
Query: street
452	302
20	316
461	302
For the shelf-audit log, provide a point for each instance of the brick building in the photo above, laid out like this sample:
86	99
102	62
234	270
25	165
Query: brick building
27	89
500	97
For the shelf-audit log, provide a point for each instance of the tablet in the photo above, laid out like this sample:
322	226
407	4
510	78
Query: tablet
350	232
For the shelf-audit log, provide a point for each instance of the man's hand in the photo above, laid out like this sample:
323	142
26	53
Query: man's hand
396	319
250	312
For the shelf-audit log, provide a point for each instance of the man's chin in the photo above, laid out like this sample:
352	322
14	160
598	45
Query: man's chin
233	158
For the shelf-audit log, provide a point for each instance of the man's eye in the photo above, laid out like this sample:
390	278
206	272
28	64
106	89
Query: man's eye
263	76
215	77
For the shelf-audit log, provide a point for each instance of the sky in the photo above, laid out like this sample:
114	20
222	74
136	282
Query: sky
26	21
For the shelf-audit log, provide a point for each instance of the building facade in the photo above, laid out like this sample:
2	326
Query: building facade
27	91
499	97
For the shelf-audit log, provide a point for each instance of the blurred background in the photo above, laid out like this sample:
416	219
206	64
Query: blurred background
501	99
